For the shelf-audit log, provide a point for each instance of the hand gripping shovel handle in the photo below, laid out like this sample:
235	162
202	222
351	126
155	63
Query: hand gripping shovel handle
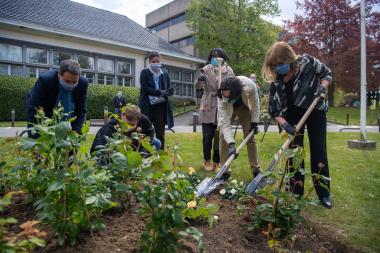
232	157
260	180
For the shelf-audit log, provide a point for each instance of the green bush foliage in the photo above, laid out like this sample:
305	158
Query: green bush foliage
13	91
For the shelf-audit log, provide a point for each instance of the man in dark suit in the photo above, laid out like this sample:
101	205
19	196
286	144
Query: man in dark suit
119	102
65	87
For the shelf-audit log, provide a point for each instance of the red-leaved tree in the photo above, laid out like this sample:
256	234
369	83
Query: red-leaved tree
330	31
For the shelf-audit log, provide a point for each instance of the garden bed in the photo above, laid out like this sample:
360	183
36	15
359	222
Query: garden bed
124	228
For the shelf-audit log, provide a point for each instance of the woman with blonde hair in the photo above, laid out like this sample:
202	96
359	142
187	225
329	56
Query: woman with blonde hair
295	82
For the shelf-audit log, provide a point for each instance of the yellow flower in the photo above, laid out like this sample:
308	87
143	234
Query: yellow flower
191	171
192	204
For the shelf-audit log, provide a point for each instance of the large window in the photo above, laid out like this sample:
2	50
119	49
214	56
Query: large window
187	77
183	81
178	19
105	65
174	75
89	76
10	69
86	62
35	72
10	52
124	68
35	55
60	56
124	81
105	79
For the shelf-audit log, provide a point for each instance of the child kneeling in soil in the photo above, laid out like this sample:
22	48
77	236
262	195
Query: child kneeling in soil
138	122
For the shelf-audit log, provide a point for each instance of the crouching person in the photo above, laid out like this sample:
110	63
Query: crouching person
238	96
131	114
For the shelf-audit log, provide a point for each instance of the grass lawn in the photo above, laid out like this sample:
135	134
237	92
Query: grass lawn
9	123
355	217
339	114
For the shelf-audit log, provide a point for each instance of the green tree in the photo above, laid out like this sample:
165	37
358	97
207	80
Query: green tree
238	27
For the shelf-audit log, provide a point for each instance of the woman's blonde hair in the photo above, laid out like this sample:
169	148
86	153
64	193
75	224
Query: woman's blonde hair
278	53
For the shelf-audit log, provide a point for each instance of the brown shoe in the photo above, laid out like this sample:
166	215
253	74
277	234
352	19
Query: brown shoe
216	167
208	165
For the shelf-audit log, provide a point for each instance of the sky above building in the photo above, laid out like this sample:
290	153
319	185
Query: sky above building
136	10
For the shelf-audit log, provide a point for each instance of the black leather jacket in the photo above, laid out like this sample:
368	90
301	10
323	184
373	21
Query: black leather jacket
305	83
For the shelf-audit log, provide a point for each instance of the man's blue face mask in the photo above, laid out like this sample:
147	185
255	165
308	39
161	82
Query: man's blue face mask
282	69
66	86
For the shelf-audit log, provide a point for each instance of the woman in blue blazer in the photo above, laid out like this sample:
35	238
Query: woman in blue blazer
154	92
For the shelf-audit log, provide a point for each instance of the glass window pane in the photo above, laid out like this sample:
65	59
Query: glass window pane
10	52
127	81
89	76
16	70
101	78
186	77
105	65
59	56
109	80
35	55
177	90
183	92
120	80
189	90
178	19
174	75
123	68
3	69
86	62
31	72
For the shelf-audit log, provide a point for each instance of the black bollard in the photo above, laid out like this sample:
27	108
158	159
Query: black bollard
105	114
347	118
13	117
195	121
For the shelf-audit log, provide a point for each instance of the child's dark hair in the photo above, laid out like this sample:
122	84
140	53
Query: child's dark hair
153	54
233	84
220	52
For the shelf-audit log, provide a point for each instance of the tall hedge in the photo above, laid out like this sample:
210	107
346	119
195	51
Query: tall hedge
13	91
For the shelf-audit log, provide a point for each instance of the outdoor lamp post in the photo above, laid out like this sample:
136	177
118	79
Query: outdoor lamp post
362	143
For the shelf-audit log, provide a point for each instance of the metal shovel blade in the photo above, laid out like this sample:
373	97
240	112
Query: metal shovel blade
207	186
256	184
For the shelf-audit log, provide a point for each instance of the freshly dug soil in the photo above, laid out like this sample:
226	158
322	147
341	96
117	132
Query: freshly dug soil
229	234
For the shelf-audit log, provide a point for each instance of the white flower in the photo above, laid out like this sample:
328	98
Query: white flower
222	191
216	217
241	183
234	181
199	180
233	191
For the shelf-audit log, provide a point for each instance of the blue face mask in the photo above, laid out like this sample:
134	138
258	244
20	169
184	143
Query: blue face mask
155	67
66	86
282	69
214	62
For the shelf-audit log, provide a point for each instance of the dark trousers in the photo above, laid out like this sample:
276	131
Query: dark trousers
316	129
210	133
158	118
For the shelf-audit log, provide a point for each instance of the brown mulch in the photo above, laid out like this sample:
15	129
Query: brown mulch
229	234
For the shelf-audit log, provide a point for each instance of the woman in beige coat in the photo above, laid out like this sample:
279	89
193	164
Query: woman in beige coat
209	80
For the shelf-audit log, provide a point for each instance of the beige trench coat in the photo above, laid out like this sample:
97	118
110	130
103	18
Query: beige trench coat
209	106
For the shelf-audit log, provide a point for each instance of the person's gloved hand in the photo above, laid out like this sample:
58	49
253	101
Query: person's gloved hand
254	127
288	128
321	91
232	150
156	143
201	78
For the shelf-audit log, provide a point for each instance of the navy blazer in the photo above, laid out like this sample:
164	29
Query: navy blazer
148	87
45	94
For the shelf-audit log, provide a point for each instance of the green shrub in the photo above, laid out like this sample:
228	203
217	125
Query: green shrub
338	97
13	92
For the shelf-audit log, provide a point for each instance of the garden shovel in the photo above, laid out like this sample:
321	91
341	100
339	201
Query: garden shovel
208	184
260	181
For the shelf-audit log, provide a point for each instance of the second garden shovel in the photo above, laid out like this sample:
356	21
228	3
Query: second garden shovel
208	184
260	181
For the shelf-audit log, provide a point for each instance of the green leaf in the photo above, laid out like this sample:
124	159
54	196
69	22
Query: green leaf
90	200
85	128
134	159
37	241
62	129
56	186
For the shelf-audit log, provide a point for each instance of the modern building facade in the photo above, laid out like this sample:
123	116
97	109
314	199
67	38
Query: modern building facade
169	22
36	35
